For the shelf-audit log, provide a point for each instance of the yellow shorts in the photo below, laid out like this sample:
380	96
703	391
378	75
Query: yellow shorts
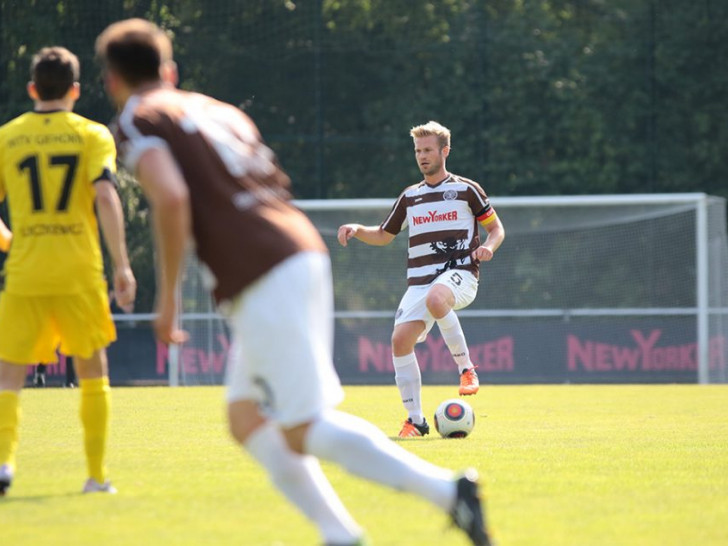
32	328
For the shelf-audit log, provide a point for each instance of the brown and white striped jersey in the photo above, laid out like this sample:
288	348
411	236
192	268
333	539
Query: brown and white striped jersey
242	221
443	226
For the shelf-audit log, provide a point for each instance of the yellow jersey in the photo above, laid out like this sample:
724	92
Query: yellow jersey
49	162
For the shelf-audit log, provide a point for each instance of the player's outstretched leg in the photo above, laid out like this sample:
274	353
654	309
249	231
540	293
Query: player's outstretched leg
298	477
468	513
364	450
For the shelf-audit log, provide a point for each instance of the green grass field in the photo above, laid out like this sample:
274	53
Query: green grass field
561	465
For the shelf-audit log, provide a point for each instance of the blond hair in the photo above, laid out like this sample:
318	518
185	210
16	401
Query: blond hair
432	128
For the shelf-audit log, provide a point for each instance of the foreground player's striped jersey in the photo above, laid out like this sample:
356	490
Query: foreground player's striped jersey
49	162
443	226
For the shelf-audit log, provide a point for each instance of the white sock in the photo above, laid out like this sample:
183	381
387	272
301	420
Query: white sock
301	480
454	337
365	451
409	382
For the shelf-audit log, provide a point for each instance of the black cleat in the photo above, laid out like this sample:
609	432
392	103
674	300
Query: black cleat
6	478
467	514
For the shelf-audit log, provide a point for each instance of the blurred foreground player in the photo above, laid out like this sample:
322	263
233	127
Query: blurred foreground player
54	167
204	168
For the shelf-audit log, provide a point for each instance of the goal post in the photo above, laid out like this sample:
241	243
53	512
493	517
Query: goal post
597	288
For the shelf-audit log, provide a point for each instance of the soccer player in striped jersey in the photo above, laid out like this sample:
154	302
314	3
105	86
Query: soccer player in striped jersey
55	167
443	213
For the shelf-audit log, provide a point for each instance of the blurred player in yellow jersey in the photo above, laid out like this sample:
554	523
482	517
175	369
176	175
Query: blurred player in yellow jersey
55	167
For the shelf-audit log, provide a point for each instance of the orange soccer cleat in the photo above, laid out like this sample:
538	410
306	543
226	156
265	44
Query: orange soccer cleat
411	430
469	383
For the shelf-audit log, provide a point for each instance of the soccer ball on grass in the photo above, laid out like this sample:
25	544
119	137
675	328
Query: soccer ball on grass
454	418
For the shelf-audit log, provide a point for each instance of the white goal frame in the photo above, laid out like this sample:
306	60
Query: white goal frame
699	200
701	310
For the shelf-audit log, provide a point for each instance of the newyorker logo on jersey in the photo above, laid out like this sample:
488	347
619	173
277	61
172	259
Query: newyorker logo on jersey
433	217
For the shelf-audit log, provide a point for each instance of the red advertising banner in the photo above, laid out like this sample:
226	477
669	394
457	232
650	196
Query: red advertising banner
587	350
651	350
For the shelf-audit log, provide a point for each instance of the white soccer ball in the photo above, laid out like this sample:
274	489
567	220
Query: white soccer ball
454	419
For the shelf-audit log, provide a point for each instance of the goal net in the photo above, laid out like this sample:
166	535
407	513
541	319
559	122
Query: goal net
626	288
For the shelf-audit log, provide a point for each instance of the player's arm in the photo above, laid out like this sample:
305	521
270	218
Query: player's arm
111	218
496	233
166	191
371	235
6	236
380	235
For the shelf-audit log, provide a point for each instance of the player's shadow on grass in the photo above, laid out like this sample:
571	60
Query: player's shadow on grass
420	439
38	498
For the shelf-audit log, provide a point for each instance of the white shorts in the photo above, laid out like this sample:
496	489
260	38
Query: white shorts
413	305
282	342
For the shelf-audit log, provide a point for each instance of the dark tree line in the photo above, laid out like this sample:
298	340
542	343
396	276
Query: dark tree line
558	97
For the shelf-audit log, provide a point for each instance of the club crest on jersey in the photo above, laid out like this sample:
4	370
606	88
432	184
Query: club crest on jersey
450	195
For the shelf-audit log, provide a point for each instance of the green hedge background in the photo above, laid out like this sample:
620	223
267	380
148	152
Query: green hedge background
543	97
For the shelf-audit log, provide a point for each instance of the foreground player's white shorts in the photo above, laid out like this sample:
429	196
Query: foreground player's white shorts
282	342
413	305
